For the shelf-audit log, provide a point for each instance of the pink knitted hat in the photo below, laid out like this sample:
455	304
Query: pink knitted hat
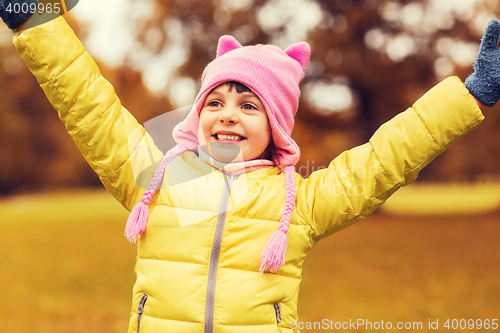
274	76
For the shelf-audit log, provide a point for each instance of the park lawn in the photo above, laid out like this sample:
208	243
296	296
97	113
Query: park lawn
65	264
66	267
406	269
444	199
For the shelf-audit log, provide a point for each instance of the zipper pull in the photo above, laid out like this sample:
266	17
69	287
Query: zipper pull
142	302
277	310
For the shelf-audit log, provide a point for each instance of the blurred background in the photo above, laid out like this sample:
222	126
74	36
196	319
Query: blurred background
431	253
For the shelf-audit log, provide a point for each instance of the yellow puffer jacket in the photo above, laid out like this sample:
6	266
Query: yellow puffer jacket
198	261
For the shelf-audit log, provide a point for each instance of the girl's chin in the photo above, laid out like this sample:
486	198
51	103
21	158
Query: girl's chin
223	151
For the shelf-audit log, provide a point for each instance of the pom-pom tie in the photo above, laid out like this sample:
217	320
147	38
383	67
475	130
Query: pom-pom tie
273	255
137	221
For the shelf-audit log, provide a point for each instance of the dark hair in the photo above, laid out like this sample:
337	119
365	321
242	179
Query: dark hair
240	87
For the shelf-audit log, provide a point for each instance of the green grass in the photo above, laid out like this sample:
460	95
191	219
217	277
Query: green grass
444	199
406	269
66	267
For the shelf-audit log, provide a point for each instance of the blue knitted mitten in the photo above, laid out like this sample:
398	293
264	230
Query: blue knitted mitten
484	83
13	13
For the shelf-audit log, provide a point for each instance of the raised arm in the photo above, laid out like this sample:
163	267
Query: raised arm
359	180
109	137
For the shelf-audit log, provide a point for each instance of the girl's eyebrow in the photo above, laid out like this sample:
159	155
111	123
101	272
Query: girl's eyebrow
214	93
250	93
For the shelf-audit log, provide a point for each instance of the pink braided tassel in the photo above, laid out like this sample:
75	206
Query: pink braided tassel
138	219
273	254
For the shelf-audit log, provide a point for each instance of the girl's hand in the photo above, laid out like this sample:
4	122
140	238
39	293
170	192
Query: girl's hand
9	15
30	22
484	83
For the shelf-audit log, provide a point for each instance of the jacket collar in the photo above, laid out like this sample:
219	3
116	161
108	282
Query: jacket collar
234	168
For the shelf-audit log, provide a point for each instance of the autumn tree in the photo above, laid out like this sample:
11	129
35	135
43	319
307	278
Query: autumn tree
370	60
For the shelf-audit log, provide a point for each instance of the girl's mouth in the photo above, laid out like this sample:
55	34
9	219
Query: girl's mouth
228	137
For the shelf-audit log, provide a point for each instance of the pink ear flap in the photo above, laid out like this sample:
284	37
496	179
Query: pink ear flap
226	44
300	52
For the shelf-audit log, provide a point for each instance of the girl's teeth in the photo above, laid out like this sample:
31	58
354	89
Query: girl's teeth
228	137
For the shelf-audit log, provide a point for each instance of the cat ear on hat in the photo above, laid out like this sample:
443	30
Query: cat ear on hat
227	43
300	52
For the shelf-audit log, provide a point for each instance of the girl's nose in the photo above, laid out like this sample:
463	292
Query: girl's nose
229	115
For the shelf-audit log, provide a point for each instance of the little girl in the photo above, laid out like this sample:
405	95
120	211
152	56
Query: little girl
225	224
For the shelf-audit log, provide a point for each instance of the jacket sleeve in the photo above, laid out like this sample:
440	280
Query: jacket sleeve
359	180
109	137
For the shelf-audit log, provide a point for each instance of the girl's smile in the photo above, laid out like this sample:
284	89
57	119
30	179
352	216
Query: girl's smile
232	120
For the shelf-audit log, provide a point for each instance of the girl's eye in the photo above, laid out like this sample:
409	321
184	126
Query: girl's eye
214	104
249	107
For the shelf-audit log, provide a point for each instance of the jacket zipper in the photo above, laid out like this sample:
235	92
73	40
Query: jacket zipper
214	257
140	310
277	311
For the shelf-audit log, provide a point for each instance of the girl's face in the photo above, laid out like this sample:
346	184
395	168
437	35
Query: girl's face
233	123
